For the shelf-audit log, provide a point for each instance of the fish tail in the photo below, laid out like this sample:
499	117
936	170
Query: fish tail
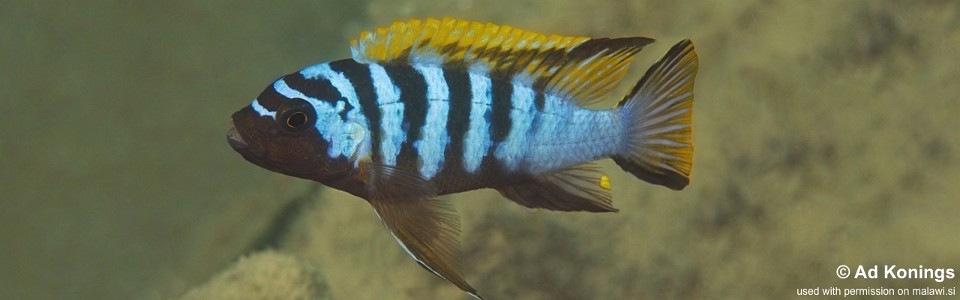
659	115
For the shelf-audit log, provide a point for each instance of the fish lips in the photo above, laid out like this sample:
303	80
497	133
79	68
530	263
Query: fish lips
235	139
240	124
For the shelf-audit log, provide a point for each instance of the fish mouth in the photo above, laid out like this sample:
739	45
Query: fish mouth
234	138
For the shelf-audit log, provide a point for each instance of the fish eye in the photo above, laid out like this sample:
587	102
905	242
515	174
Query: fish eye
296	119
296	115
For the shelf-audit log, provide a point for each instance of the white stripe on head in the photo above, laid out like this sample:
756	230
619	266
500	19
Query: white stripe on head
434	137
263	111
510	152
281	87
391	114
477	140
355	116
343	86
341	134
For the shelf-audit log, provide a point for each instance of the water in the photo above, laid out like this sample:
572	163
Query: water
825	135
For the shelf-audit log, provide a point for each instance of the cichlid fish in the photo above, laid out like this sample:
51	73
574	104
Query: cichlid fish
426	108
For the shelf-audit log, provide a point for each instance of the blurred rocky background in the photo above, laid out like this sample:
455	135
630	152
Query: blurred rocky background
825	134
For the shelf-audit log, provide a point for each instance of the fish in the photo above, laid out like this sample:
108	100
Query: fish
424	108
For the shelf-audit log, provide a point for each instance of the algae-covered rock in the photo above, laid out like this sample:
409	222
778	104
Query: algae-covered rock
264	275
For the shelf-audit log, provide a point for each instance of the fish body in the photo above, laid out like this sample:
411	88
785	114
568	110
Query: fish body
444	106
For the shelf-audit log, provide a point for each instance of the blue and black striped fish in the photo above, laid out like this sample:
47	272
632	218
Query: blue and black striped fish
426	108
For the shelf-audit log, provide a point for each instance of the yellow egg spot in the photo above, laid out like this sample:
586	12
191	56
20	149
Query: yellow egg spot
605	182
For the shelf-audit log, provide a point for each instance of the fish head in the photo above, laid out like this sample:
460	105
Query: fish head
295	136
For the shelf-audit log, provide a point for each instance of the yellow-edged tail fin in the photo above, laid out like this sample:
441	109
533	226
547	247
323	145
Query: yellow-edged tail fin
659	113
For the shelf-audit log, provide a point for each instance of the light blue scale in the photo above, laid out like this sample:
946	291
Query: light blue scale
434	137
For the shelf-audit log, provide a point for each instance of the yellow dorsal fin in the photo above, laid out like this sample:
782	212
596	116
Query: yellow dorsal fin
577	68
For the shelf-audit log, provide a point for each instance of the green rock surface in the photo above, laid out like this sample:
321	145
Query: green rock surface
825	134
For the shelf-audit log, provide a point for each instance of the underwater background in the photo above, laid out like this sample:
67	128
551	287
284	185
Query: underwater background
825	134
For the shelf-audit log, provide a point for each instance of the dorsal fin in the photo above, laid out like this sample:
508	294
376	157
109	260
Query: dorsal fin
576	68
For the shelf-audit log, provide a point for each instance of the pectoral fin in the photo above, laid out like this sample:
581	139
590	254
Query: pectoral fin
579	188
391	182
427	229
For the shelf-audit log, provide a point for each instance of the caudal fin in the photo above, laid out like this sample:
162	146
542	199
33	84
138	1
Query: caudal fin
659	113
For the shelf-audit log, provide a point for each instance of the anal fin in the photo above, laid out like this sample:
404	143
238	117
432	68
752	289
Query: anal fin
579	188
